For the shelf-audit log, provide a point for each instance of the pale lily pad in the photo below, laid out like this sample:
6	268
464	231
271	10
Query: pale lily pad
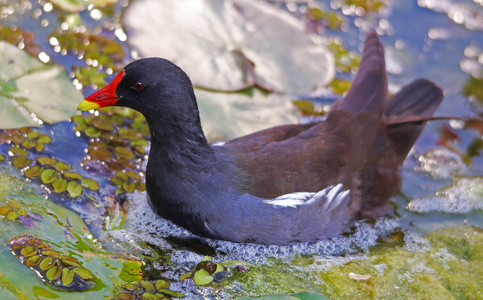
30	89
231	44
228	115
463	196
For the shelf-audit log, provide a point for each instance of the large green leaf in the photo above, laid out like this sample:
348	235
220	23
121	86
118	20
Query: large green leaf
231	44
30	89
228	115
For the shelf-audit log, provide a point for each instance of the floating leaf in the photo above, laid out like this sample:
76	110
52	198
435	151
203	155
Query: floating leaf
161	284
117	182
18	151
307	108
12	215
48	176
59	185
149	296
84	273
141	142
74	189
67	276
53	273
202	277
34	171
92	132
148	285
46	263
44	139
339	86
329	19
46	161
18	139
100	154
28	144
171	293
90	184
89	76
72	175
219	268
28	251
140	186
4	210
131	271
102	125
105	51
121	175
133	175
42	89
33	135
250	43
15	36
130	134
226	116
62	166
20	162
2	157
32	261
124	153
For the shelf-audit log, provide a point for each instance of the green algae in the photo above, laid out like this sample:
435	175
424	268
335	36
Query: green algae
448	268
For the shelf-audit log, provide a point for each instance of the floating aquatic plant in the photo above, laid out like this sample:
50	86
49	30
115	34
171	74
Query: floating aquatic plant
205	272
119	138
145	289
320	17
51	171
15	212
98	50
17	36
58	270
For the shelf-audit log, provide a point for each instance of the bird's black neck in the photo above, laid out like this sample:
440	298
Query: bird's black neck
178	141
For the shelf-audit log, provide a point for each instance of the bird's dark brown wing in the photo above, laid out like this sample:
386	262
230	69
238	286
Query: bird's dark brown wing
342	149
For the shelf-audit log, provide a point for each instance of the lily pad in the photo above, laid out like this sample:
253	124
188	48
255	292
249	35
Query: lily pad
32	90
230	45
48	176
74	189
202	277
229	115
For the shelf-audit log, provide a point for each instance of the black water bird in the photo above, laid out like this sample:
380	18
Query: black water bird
287	184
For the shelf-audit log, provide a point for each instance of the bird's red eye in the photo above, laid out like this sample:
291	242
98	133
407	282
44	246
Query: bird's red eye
138	86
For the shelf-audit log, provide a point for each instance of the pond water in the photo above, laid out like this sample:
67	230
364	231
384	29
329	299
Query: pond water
94	220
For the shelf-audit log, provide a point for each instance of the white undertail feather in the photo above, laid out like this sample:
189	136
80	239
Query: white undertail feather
333	195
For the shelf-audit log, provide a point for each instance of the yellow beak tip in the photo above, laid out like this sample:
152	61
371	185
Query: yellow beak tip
87	105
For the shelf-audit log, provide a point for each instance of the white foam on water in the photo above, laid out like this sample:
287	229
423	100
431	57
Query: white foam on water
143	224
441	163
463	196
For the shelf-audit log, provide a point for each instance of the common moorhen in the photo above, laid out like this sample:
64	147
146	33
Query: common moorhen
287	184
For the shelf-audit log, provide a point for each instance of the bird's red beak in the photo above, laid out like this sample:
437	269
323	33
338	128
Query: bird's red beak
103	97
